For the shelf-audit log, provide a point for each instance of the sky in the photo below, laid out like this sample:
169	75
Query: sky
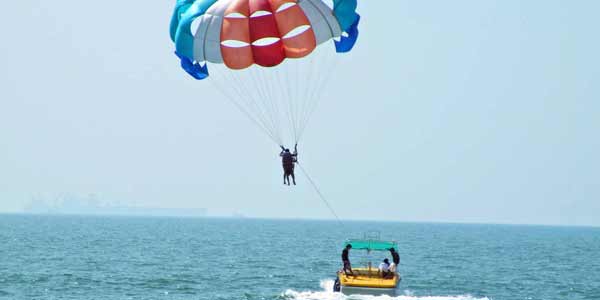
445	111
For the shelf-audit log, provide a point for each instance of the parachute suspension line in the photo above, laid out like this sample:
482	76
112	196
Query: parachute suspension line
259	86
270	100
299	81
252	102
280	100
291	98
244	111
306	92
261	102
273	95
252	110
297	97
258	123
316	188
295	85
317	91
309	98
285	94
246	108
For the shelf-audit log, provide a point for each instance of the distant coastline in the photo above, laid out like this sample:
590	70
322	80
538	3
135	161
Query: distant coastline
91	206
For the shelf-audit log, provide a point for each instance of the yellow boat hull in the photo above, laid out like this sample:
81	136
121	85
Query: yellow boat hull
368	279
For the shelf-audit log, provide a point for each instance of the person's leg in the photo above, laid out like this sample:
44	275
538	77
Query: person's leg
294	178
290	172
346	266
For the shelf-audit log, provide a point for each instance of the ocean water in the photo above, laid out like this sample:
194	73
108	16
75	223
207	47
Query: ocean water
76	257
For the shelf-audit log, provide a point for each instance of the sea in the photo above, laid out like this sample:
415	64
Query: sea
81	257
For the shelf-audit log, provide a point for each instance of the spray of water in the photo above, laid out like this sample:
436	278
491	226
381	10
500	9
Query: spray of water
327	294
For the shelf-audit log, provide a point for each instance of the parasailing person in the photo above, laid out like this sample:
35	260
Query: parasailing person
288	160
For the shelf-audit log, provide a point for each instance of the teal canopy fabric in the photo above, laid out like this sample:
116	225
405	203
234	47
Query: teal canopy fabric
375	245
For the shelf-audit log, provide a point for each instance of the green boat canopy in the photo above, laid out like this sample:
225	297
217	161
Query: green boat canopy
375	245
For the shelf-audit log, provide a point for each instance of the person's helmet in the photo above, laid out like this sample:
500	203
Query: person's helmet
386	261
348	246
287	150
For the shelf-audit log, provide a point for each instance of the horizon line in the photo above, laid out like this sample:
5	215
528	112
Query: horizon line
236	217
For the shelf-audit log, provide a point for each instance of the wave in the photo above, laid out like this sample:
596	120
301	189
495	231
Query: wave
327	294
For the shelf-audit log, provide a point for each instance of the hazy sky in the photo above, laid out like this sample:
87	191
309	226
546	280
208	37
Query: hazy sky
466	111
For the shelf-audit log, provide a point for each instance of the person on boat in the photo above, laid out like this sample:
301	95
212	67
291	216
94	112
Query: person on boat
346	260
288	160
384	268
395	260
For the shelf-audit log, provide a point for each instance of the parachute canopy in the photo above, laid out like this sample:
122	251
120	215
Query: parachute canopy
264	55
240	33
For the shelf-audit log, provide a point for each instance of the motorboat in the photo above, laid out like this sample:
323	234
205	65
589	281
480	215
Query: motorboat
366	279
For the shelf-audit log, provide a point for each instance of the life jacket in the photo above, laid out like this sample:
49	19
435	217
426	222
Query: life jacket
287	158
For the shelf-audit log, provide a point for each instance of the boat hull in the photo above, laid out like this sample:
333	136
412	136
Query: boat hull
353	290
366	281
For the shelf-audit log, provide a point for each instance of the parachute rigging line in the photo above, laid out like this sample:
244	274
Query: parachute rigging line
257	117
279	101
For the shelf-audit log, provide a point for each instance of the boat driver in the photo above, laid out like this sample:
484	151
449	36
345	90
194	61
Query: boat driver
346	260
395	260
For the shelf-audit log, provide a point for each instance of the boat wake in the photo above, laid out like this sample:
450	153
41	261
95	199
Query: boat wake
327	294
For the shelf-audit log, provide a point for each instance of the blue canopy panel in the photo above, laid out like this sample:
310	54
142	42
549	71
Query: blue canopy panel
186	11
345	12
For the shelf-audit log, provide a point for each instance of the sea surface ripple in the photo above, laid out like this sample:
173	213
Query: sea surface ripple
79	257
